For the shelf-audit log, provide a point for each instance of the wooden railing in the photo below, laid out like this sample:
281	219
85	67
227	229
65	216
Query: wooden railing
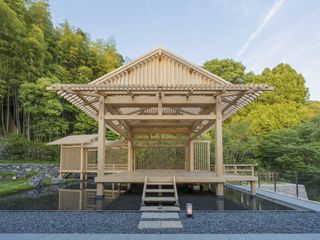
110	168
236	169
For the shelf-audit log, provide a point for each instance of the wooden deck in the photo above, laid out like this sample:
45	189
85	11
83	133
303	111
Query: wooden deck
181	176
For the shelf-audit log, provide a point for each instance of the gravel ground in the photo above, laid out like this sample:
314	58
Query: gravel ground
226	222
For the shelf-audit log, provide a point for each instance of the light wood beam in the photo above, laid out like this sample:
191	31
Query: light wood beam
161	117
145	101
203	129
160	130
235	100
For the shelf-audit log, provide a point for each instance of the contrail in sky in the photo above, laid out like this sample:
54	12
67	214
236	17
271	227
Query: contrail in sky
155	22
275	8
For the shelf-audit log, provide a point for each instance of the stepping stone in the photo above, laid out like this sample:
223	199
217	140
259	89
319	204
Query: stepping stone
159	224
160	215
171	224
157	209
149	224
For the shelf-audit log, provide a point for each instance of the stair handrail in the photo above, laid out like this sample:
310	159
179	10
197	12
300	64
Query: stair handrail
144	189
175	188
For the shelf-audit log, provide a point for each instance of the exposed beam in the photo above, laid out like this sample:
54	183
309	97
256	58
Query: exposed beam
204	111
162	130
140	101
204	129
85	101
161	117
235	100
160	145
137	123
118	112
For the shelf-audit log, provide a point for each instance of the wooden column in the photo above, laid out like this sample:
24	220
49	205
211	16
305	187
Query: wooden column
81	163
134	158
191	156
101	145
253	188
218	146
60	173
186	157
130	155
208	156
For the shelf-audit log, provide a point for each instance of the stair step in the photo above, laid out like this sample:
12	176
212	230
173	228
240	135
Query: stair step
160	209
160	199
159	183
160	190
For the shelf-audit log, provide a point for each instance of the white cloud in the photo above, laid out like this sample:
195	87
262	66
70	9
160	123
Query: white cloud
275	8
315	63
296	44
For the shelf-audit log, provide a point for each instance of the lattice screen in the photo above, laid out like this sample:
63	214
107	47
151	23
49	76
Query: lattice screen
166	157
201	155
113	156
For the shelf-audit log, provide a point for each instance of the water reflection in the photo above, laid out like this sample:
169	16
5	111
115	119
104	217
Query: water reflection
82	196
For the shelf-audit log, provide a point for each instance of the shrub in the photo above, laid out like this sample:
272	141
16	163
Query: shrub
18	148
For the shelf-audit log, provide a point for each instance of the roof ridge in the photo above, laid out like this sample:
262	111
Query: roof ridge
168	53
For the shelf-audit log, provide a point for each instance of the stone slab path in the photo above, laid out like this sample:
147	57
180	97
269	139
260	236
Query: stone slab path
158	218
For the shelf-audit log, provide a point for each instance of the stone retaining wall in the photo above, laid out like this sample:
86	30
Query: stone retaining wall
26	169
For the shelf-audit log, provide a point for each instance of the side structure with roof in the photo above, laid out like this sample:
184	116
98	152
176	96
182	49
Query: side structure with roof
161	104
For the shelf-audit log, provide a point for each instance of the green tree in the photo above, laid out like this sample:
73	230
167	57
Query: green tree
228	69
85	124
289	86
282	108
263	118
45	109
293	149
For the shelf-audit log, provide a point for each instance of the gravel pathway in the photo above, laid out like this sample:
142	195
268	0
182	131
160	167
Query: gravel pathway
226	222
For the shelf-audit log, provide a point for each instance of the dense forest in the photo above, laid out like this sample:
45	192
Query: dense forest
280	130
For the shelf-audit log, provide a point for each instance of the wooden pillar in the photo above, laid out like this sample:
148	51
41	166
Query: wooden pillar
101	145
130	155
186	157
130	158
218	146
253	188
134	158
191	156
208	156
60	174
81	163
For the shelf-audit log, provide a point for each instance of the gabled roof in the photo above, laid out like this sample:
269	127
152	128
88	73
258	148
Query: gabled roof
75	139
159	92
163	63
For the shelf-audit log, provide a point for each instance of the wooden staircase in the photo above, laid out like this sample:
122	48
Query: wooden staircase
159	190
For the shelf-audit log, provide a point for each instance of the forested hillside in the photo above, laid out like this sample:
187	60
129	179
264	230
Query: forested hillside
280	130
35	54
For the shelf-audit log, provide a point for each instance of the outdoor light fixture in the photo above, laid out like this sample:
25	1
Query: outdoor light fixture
189	210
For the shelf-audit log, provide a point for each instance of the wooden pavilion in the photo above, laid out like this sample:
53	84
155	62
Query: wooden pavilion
160	102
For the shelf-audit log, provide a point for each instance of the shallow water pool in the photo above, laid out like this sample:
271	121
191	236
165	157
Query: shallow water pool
82	196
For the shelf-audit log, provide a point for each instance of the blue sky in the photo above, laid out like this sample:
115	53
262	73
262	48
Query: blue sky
258	33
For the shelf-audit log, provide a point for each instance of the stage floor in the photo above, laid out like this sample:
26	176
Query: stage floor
181	176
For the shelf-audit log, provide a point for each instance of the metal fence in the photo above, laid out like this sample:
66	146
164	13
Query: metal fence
305	185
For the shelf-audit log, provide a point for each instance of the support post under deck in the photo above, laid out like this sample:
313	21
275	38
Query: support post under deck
101	146
218	146
253	188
